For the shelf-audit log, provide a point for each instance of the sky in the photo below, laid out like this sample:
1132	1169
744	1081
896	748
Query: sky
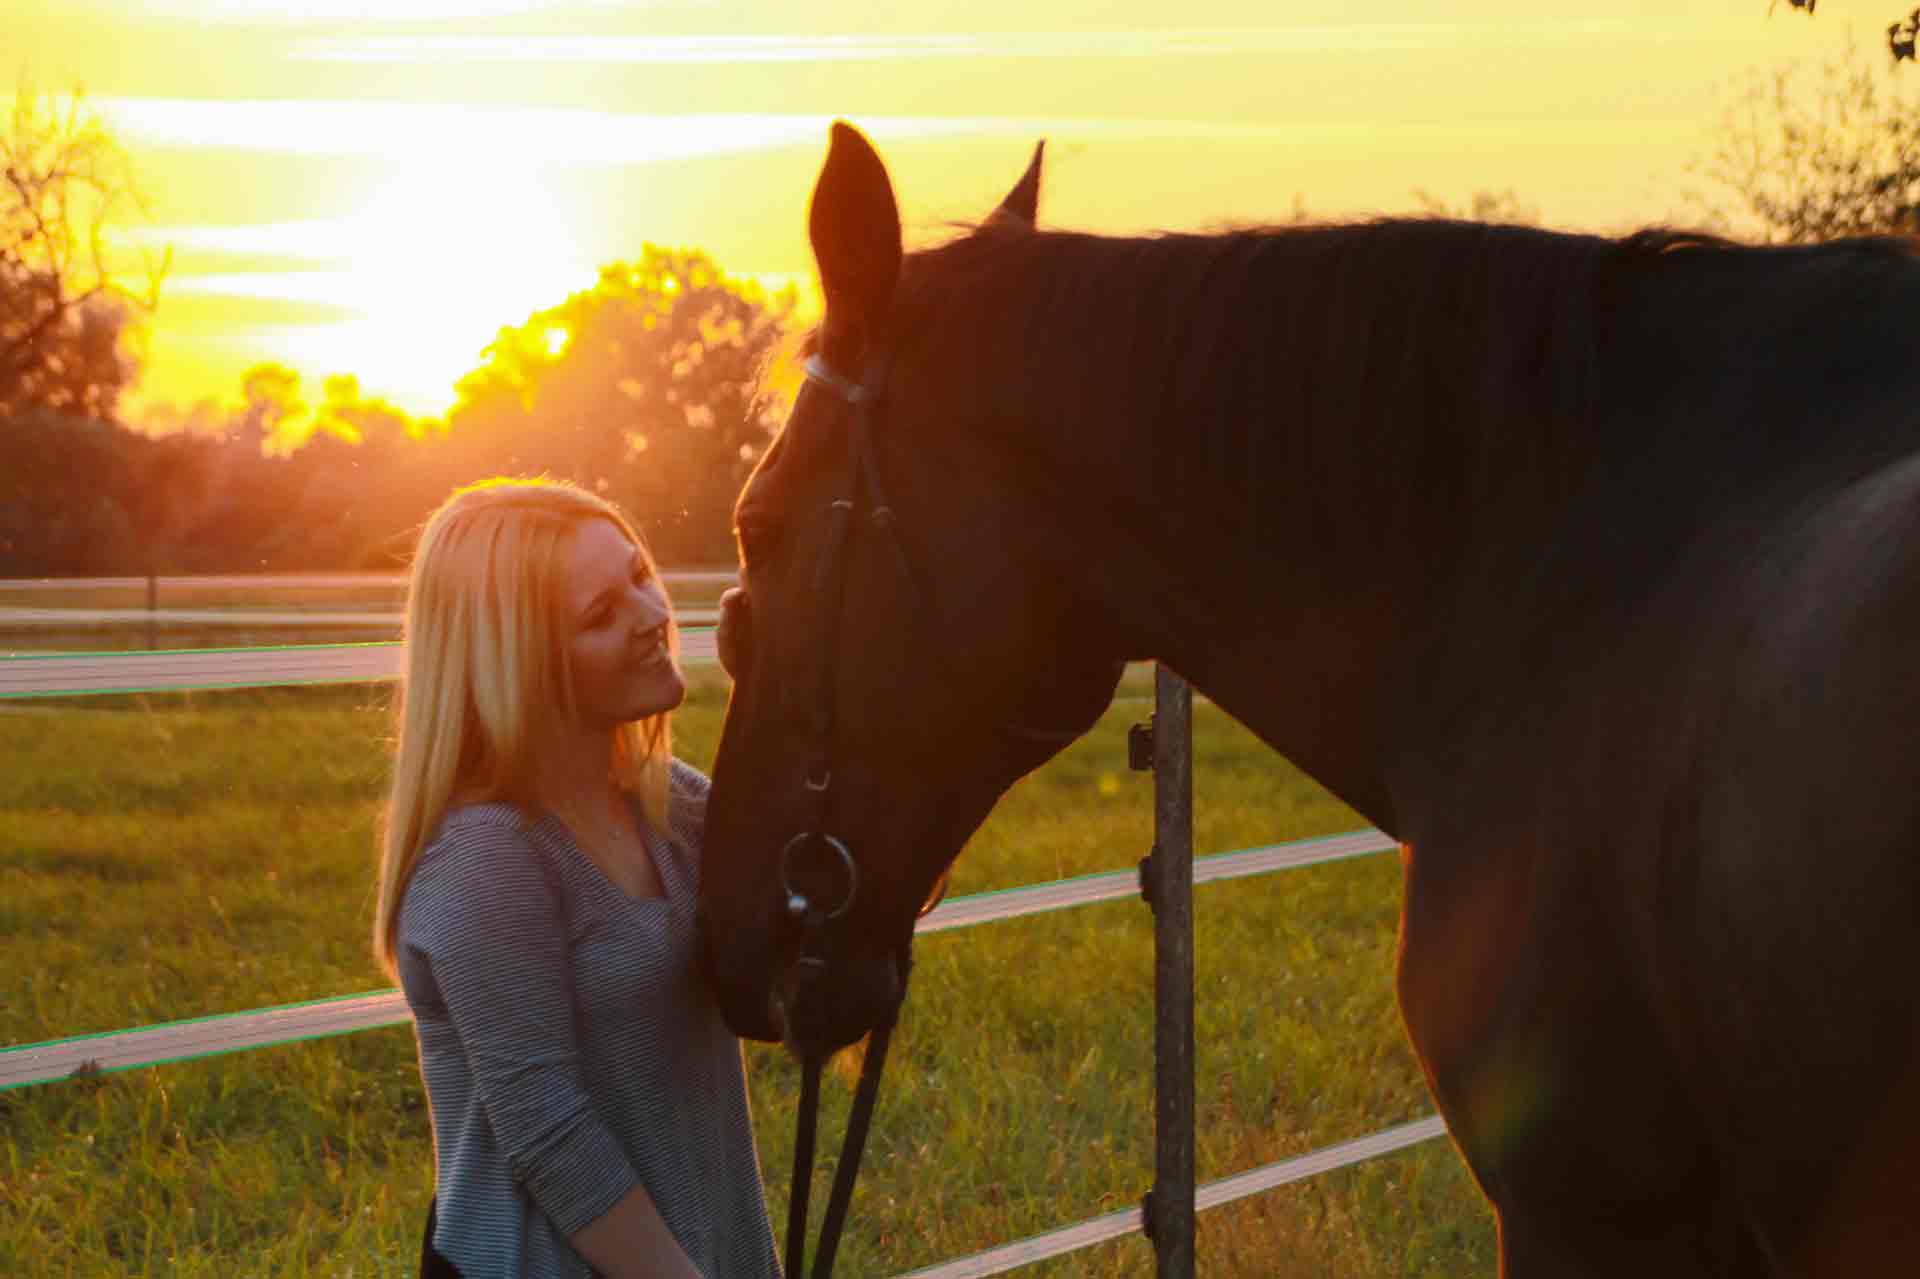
376	187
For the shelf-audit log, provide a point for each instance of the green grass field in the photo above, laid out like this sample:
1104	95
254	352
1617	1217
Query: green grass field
168	857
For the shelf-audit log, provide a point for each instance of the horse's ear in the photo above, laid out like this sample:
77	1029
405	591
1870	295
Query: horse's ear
855	228
1022	204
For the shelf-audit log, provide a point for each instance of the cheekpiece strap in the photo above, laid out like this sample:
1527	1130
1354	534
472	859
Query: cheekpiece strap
818	370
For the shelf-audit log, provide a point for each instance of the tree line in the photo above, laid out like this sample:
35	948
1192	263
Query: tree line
648	387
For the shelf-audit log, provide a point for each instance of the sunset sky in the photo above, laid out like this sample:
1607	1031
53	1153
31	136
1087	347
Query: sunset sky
376	186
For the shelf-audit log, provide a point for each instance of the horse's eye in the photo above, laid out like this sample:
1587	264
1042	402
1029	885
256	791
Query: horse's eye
759	540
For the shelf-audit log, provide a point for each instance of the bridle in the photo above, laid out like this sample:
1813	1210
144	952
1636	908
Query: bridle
813	917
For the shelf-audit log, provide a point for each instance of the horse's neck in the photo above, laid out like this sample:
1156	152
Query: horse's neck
1344	564
1298	612
1303	656
1282	494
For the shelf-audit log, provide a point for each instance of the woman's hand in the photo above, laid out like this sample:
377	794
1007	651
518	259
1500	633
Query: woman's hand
730	638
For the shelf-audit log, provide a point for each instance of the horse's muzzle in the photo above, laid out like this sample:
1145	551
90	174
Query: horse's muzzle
827	1008
740	985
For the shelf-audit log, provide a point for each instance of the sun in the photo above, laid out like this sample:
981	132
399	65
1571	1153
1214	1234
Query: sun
438	262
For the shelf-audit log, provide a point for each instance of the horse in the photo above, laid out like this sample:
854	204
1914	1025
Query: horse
1586	567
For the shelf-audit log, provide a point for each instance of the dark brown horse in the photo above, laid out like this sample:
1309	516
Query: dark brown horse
1588	568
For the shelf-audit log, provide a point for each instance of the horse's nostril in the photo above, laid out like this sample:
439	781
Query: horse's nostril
776	1017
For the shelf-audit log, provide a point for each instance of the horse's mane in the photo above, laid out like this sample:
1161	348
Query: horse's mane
1411	370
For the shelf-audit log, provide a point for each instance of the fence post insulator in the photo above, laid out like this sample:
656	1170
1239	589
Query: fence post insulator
1147	1216
1140	747
1146	876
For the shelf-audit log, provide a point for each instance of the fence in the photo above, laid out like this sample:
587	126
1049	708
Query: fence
47	613
1165	879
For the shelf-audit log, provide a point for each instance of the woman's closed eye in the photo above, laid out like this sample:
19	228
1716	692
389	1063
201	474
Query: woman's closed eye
602	611
759	540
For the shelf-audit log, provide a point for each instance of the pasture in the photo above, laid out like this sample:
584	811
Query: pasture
184	855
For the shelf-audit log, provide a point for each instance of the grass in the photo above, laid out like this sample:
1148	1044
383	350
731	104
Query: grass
174	856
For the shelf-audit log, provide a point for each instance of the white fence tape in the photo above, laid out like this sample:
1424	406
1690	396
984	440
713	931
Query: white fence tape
41	618
291	581
74	674
1114	1225
231	1032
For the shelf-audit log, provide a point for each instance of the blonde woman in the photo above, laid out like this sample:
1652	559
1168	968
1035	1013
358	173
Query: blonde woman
538	875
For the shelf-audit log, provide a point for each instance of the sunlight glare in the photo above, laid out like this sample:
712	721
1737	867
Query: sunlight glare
439	262
306	11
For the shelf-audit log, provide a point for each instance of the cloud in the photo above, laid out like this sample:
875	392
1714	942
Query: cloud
1159	44
556	137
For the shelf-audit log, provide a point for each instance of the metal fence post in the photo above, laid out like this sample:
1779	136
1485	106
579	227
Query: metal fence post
1167	880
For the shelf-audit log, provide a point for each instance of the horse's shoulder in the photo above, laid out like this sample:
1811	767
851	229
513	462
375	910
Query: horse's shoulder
1839	577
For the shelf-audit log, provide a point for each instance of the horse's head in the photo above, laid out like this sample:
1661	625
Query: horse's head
908	648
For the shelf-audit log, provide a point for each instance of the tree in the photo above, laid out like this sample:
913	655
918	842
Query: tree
1809	153
50	524
1503	206
646	388
63	310
1901	32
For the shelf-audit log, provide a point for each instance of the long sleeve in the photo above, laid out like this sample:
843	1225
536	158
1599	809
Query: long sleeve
483	917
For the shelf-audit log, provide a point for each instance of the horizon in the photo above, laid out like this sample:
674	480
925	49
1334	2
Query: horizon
378	194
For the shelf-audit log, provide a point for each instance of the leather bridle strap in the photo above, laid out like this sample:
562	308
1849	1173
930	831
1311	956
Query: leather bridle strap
813	918
852	1146
802	1184
863	472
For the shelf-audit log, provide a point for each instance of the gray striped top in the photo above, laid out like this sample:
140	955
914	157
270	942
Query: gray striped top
571	1050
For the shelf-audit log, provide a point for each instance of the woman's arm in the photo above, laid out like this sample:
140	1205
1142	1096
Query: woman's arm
630	1241
483	912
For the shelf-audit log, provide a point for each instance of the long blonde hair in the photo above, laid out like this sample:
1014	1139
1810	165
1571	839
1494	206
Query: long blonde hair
485	668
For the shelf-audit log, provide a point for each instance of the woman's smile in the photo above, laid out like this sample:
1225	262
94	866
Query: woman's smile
652	647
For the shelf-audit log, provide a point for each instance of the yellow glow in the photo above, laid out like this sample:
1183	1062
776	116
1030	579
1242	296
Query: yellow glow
341	10
525	142
435	264
441	261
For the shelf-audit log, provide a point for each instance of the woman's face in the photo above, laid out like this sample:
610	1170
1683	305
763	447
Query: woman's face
615	621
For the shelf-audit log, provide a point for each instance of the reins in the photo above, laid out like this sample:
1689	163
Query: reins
853	1145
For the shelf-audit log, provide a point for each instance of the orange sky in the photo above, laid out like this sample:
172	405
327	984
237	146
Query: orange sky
376	186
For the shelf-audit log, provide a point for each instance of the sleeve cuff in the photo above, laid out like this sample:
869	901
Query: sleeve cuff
580	1177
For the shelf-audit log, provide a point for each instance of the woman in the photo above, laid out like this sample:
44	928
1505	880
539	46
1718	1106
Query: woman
537	885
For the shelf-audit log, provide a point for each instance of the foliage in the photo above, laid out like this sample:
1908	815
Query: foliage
1813	152
1901	32
48	523
645	388
63	312
1503	206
